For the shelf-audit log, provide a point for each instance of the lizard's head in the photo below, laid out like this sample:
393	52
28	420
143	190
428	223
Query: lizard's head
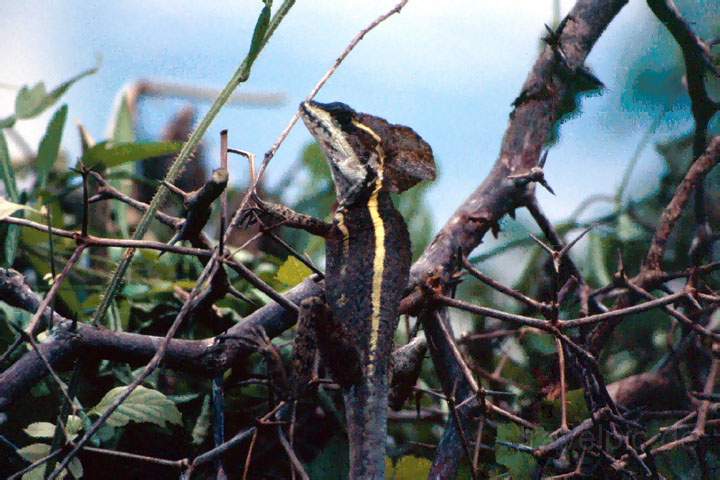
365	152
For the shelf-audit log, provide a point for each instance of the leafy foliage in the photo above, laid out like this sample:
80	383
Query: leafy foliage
292	272
32	101
521	465
409	467
143	405
37	451
523	362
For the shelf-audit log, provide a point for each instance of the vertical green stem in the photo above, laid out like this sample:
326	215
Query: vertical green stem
240	76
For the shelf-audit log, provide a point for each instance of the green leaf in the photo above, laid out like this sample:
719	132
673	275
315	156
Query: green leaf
333	463
577	409
40	390
539	437
313	159
8	172
76	468
73	426
143	405
12	239
8	176
596	253
40	430
410	467
124	128
202	424
521	465
35	452
7	122
292	272
31	102
109	155
50	146
183	397
541	343
627	230
123	132
7	208
259	34
32	453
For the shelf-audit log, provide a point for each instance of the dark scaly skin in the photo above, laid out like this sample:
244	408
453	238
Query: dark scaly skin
319	330
349	283
367	260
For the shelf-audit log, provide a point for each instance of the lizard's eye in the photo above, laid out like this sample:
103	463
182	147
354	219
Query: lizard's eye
340	112
344	118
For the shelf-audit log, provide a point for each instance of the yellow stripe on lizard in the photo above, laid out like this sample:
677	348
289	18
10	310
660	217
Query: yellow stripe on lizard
378	271
340	217
379	260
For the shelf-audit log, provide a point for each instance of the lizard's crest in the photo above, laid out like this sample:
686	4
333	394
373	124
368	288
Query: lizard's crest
362	148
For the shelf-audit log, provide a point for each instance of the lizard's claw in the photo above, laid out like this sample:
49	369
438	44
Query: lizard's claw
251	211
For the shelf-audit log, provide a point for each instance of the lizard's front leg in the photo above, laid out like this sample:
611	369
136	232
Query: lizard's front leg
319	330
289	217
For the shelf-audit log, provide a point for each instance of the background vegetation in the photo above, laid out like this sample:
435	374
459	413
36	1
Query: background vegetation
656	371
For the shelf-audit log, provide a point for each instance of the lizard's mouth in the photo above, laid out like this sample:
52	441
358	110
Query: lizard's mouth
327	131
325	123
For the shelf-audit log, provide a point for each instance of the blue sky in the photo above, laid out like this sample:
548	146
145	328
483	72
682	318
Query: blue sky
448	69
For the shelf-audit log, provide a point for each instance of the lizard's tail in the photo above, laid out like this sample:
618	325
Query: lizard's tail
366	413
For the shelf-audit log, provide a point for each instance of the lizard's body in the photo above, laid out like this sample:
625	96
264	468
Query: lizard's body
367	264
368	259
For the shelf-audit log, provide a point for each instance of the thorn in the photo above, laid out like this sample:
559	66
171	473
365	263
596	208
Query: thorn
535	174
691	296
563	24
587	74
691	289
86	140
570	285
97	197
543	158
544	183
620	278
174	189
238	294
552	38
172	241
567	247
459	257
518	447
457	275
455	280
542	244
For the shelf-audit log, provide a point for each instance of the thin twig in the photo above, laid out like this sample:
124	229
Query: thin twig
294	460
511	292
695	174
563	386
353	43
142	458
149	368
92	241
248	457
34	324
283	135
705	404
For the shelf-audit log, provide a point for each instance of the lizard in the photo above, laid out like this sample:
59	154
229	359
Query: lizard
368	260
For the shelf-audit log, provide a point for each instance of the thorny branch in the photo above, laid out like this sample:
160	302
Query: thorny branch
510	185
